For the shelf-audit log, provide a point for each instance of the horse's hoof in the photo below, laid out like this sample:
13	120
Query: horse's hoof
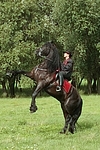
62	132
33	109
71	130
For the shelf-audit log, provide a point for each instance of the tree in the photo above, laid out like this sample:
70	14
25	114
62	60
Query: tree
23	26
72	24
79	24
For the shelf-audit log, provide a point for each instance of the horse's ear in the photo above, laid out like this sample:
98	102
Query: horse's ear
52	42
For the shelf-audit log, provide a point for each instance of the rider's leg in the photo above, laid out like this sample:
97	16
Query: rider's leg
60	74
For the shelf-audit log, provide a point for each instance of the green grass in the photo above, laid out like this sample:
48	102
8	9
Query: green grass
21	130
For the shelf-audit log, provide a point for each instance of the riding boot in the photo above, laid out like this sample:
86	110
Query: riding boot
60	83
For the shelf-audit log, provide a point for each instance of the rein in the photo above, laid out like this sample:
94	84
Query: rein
45	58
41	69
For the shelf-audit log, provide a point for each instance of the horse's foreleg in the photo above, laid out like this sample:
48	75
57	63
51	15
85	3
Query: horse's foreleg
33	107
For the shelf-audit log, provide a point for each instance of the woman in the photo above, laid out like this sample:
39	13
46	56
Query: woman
66	69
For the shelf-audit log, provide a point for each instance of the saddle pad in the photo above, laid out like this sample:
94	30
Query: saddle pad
66	86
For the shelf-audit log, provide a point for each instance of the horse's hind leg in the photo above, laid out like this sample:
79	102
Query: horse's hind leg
72	124
75	118
67	121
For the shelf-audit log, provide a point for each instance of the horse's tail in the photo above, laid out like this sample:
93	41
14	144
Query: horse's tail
20	72
14	73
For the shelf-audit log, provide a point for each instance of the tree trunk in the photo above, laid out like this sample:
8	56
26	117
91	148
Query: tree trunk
98	86
4	87
11	86
89	85
94	86
80	82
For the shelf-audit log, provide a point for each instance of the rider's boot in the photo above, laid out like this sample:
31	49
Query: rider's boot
58	88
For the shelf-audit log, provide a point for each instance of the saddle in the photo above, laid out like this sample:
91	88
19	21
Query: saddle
66	84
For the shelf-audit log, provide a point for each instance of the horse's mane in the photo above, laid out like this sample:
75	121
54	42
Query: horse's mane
54	64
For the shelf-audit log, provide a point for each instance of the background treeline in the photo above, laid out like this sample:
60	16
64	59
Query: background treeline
72	24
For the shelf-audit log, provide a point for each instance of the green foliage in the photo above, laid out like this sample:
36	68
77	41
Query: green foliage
79	27
72	24
24	25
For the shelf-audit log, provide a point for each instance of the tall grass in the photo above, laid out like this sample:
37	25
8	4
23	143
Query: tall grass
21	130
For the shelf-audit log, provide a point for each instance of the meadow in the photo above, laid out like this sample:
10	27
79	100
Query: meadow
21	130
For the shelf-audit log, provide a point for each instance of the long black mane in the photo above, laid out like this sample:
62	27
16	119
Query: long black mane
54	63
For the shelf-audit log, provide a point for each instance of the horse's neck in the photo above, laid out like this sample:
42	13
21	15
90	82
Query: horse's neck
43	65
42	69
51	63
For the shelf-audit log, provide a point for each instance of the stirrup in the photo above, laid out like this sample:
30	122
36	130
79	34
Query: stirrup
58	88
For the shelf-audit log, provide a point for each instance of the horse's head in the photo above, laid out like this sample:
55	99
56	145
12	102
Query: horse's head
44	50
50	53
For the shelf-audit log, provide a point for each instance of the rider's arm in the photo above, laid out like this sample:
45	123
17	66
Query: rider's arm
68	66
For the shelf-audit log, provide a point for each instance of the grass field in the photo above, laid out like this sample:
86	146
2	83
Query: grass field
21	130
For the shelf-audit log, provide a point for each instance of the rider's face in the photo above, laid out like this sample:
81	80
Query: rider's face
66	55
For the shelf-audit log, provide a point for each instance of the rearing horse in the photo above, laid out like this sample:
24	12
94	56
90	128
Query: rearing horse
44	75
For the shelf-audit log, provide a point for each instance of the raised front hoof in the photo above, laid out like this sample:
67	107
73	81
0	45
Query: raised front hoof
33	109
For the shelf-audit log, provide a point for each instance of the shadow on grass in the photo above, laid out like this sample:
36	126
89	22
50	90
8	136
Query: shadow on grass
84	125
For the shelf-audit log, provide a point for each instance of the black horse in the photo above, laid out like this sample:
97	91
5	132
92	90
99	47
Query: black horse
44	75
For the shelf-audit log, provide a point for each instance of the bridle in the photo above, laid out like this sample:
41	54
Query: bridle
40	54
